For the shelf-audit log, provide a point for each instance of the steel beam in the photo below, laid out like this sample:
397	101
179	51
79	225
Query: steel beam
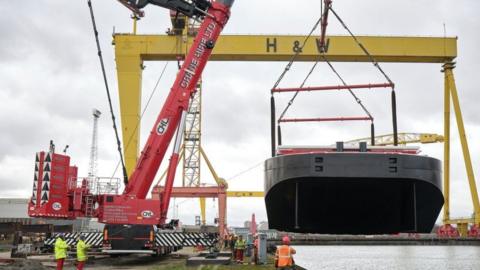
282	47
328	119
333	87
195	192
202	192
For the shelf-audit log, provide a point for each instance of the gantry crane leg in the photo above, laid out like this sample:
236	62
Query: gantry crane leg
219	182
446	151
452	94
129	75
203	213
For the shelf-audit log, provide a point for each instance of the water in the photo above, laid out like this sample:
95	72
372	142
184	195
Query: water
388	257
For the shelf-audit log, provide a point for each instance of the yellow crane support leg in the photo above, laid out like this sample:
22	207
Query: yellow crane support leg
446	150
217	179
129	73
202	211
463	139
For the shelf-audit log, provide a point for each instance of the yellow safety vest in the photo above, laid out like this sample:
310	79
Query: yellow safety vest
240	244
82	251
60	249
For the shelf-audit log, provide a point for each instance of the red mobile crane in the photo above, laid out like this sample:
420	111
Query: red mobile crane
58	193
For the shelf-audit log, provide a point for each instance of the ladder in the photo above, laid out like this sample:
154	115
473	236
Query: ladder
88	206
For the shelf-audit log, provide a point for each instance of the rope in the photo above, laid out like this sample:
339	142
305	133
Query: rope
296	93
334	71
245	171
99	52
372	59
357	99
294	57
377	65
144	109
287	68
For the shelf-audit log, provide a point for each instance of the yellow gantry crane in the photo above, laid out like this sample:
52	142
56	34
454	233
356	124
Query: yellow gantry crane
131	50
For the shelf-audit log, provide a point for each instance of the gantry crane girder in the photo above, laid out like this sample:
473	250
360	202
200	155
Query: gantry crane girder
282	47
132	50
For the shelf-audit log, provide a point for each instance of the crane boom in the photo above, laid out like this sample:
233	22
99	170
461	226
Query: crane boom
176	103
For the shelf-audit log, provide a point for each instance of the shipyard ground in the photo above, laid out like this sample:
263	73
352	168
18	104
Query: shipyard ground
176	261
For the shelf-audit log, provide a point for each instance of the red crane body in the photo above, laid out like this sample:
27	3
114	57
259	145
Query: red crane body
132	207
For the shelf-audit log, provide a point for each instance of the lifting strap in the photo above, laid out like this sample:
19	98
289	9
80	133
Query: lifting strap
273	121
323	22
377	65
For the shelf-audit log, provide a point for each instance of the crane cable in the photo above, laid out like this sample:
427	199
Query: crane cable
294	57
377	65
289	104
248	169
372	59
99	52
357	99
287	68
273	119
152	93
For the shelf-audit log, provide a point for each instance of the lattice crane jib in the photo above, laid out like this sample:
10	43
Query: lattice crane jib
192	141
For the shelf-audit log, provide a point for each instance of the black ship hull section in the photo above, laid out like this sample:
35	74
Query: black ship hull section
353	193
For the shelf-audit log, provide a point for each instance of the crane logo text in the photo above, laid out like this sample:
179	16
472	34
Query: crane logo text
162	126
56	206
147	214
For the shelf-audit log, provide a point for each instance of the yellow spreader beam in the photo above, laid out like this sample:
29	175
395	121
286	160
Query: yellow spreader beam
132	50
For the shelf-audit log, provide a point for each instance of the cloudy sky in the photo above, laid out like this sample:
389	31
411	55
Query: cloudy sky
50	80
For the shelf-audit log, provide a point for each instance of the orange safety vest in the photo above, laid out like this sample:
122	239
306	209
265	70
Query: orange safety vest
284	256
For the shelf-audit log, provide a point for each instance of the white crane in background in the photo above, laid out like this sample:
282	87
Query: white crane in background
92	171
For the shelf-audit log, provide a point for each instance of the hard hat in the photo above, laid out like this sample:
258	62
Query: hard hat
286	240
